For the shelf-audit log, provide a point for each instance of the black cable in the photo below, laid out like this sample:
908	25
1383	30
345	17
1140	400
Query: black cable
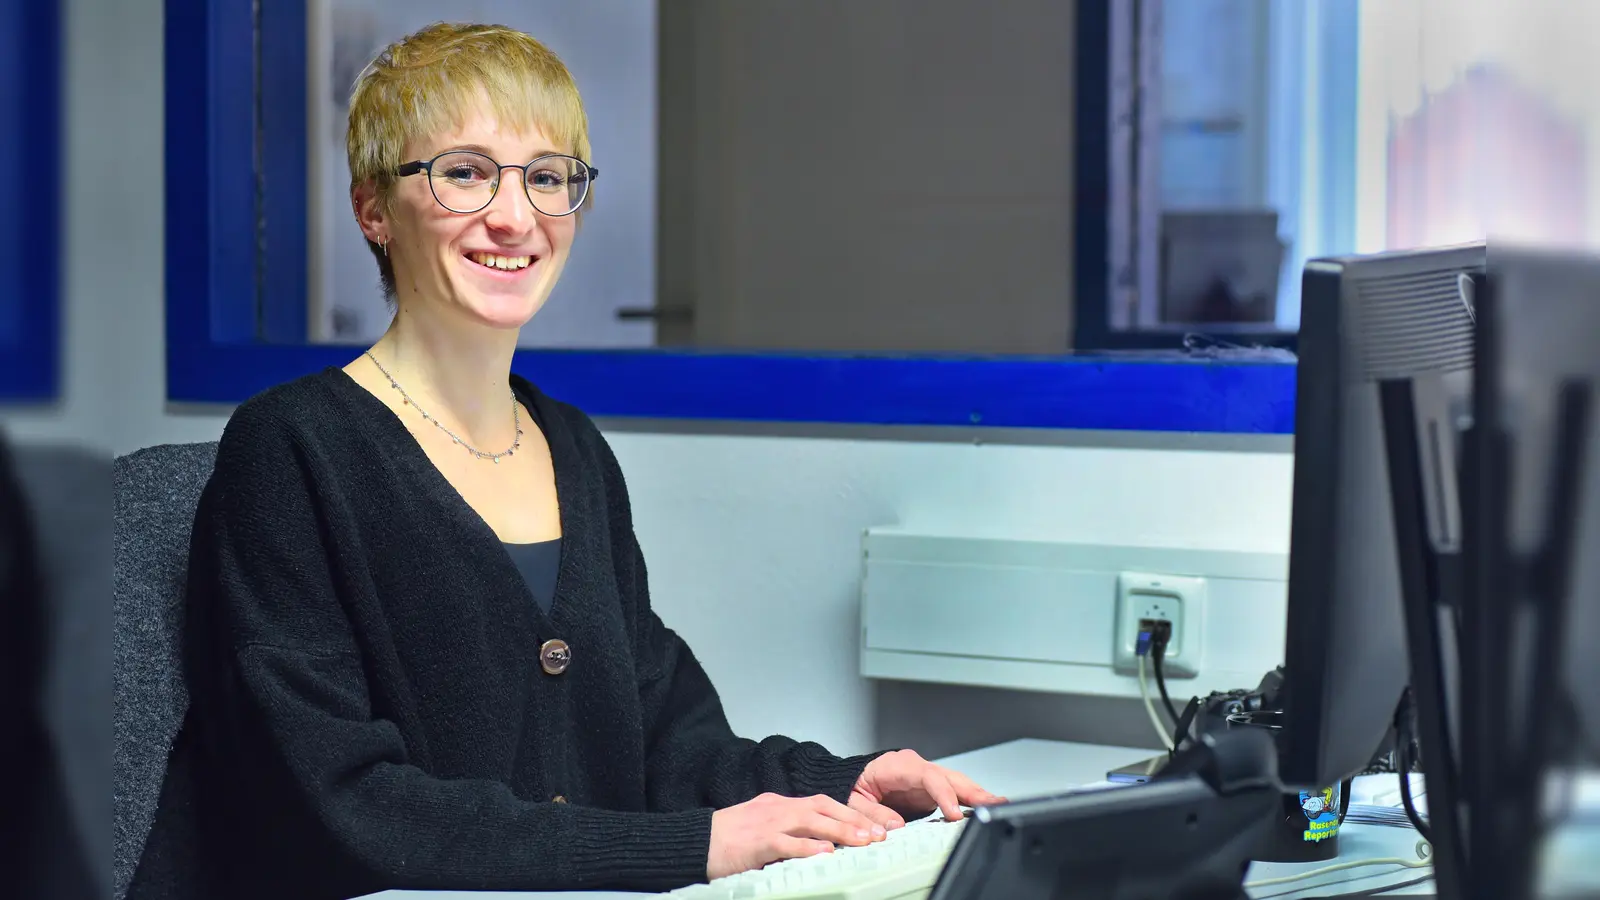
1158	650
1185	722
1580	746
1406	799
1576	750
1403	736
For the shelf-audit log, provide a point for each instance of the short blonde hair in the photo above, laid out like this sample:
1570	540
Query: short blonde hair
429	81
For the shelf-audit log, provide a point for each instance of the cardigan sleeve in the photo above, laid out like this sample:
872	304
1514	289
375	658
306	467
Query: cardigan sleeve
693	758
286	705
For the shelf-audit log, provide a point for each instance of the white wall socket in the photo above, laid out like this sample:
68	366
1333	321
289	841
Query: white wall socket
1178	599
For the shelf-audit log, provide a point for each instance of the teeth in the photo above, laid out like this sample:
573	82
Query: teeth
507	263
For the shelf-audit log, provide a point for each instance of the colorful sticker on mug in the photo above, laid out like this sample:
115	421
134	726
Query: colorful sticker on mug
1322	812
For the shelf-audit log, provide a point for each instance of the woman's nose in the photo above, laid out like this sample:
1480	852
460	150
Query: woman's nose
511	210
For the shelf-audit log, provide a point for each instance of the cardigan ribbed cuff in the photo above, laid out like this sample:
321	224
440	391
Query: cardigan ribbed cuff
651	852
819	772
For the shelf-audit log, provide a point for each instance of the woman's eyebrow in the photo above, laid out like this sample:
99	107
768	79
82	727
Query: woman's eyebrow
479	148
475	148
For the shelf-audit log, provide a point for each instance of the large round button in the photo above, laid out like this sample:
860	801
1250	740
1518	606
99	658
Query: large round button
555	656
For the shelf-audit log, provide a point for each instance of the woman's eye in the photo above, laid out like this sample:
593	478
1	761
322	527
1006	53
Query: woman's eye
546	180
463	173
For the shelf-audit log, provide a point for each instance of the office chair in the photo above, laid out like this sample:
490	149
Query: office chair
157	491
26	747
55	527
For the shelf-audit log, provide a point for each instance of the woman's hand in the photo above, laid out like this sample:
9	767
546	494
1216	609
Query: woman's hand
773	827
901	785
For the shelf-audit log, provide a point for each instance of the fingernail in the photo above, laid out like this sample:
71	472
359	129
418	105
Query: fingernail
878	830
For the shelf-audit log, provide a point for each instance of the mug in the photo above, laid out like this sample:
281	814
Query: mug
1305	826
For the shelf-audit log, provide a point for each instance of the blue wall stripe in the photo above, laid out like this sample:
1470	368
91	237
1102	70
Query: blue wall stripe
1072	393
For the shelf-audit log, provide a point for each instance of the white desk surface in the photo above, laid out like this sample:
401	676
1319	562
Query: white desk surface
1030	767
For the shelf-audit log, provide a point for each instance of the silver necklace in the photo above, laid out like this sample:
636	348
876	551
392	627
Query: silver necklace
516	417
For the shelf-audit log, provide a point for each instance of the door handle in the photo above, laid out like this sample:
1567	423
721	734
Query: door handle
656	313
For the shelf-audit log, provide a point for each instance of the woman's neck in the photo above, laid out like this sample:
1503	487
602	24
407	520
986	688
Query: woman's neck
459	374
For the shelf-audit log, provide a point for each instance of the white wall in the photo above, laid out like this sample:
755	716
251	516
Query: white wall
744	535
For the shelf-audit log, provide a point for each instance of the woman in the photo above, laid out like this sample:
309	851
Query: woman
424	654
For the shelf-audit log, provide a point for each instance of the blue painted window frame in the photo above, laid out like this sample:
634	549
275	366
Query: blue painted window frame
1321	200
30	135
223	346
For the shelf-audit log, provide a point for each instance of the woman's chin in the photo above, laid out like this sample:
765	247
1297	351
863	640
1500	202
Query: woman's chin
503	310
506	313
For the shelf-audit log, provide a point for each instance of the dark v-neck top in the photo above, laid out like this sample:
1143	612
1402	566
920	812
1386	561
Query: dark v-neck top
368	705
538	562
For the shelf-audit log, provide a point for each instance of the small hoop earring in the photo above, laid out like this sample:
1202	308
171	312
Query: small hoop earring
385	245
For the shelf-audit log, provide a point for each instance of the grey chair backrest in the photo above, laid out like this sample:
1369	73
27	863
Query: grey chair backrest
56	505
157	491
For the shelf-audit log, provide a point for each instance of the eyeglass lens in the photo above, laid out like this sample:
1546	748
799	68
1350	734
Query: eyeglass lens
465	182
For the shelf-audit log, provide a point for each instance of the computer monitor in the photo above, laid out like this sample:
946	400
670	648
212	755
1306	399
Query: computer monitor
1364	321
1426	402
1382	336
1542	382
1530	615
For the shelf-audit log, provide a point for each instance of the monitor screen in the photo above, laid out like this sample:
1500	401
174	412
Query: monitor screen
1365	321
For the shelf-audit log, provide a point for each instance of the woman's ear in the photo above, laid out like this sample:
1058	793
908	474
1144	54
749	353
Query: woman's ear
368	207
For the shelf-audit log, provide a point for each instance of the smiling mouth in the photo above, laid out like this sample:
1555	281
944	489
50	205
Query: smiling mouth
502	263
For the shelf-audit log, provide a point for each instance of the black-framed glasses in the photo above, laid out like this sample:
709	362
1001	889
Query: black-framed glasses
466	181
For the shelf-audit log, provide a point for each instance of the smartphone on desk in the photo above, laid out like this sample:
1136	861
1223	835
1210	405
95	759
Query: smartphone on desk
1139	772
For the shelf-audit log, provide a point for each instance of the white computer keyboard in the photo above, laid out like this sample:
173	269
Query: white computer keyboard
902	866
